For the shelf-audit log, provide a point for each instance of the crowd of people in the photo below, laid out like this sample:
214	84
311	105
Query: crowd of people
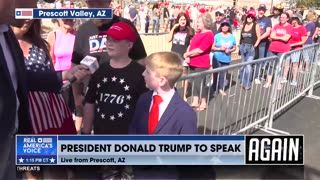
130	93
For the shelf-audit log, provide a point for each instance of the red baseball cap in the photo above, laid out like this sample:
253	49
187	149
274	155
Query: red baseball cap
121	31
251	13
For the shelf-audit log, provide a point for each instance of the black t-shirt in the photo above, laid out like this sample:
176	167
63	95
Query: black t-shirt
249	37
89	42
115	93
180	42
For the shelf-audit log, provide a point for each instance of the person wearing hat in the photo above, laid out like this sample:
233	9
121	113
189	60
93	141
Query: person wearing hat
265	25
276	12
90	42
249	40
224	44
220	18
114	89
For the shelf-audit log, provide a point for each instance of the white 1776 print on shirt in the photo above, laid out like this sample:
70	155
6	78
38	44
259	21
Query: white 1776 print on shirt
114	98
97	43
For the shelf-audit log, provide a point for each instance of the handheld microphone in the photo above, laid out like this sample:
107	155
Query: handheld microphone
88	61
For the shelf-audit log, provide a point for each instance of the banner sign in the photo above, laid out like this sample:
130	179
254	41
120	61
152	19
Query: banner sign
159	150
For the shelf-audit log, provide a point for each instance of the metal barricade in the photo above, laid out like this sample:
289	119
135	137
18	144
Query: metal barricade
302	63
239	110
244	110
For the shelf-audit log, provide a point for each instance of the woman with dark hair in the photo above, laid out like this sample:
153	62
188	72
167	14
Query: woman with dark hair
180	36
249	40
224	44
48	112
297	40
279	37
197	56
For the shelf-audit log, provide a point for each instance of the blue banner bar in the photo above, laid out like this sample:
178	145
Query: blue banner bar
104	13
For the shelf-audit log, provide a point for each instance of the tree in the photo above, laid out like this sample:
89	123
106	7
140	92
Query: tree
308	3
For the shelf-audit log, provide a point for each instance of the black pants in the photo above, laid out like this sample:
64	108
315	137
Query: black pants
199	87
147	27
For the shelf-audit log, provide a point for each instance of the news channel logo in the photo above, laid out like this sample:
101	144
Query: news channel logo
36	150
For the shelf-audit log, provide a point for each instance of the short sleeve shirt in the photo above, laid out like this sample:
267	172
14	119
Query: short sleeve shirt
223	41
264	23
297	34
203	41
277	45
180	42
115	93
311	27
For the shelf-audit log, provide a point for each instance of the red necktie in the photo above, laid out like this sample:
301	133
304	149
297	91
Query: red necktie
154	114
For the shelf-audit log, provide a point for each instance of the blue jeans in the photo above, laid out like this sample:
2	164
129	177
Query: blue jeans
247	52
262	54
222	79
155	25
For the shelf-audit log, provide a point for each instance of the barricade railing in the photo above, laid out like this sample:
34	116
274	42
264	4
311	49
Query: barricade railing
302	63
247	105
239	110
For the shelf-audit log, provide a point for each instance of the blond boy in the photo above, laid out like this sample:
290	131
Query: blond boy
161	110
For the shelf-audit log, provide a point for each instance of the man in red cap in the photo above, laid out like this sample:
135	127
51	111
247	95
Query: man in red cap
89	41
114	89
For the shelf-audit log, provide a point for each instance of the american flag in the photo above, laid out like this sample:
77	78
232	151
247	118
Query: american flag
47	108
23	13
